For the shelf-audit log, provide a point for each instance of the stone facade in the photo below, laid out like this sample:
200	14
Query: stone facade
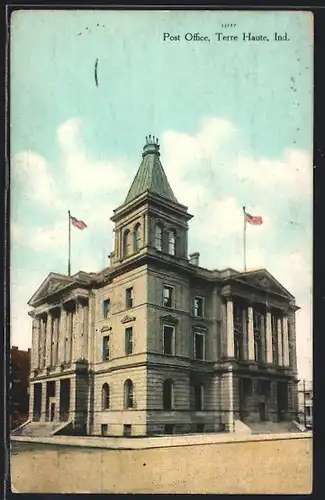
155	343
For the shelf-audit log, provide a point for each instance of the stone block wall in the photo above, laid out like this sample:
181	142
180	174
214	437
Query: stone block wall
117	416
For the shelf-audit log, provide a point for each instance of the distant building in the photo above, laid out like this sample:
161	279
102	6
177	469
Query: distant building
155	343
305	401
19	386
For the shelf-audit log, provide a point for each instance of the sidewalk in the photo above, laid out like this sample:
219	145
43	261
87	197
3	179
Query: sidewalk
120	443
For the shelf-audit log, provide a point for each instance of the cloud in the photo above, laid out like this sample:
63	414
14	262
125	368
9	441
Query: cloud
31	172
294	171
82	173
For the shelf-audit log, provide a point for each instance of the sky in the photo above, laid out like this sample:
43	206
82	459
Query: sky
234	121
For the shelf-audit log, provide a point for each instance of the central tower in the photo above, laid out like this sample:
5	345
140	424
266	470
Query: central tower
150	219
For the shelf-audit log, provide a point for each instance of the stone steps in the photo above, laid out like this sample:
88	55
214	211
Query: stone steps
39	429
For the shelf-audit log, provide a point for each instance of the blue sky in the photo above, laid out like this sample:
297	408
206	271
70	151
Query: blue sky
235	126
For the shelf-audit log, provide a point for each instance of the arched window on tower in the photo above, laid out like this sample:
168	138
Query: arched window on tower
137	237
172	242
159	238
105	397
128	394
126	243
168	394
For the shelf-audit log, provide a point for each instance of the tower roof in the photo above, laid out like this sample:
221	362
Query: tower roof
150	175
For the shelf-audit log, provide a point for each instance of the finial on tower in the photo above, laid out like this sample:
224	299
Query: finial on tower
151	146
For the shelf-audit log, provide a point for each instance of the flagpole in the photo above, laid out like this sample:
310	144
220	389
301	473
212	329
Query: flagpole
244	239
69	258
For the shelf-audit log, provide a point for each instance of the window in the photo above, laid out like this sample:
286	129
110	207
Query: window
127	430
106	307
105	397
168	296
129	297
198	306
199	348
168	394
247	386
128	394
198	396
168	339
136	238
104	429
308	412
200	427
126	243
171	242
106	348
159	238
128	340
169	429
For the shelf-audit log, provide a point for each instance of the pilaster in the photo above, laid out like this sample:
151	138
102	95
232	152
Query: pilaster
285	341
57	401
48	340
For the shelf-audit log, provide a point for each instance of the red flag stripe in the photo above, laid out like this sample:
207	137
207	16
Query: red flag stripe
254	219
80	224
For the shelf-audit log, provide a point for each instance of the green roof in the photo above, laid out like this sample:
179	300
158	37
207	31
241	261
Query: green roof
150	176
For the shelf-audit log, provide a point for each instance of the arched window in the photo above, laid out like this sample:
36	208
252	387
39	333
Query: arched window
136	238
105	397
171	242
159	238
168	394
126	243
128	394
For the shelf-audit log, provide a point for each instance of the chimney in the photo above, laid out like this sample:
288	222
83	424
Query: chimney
28	350
194	258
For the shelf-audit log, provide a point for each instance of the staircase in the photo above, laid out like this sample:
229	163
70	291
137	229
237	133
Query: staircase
272	427
40	429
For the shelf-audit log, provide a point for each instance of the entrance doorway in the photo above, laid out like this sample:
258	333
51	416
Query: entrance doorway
262	411
282	400
37	402
52	411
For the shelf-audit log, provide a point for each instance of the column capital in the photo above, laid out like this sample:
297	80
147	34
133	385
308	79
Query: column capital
226	292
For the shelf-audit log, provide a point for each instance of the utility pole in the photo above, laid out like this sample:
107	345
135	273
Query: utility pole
305	420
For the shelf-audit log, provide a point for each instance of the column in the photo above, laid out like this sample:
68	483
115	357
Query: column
75	331
62	335
230	329
280	353
144	232
48	340
245	334
68	338
56	340
263	338
42	342
269	355
285	341
251	349
35	343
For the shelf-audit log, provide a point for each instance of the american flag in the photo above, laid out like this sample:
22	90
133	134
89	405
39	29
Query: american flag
80	224
255	220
